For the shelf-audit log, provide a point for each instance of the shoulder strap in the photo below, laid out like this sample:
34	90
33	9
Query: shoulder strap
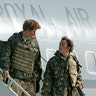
75	58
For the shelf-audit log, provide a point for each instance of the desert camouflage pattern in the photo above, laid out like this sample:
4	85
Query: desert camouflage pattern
28	86
23	57
72	67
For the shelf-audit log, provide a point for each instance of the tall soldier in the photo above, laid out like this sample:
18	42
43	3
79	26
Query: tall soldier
21	58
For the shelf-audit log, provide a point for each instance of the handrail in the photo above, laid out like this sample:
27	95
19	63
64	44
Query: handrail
13	81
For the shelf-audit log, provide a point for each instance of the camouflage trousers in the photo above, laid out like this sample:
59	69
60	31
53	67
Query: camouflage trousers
28	86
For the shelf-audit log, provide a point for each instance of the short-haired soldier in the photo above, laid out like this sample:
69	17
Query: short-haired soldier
21	58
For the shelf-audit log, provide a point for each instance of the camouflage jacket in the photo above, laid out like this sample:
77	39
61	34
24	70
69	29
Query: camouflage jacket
2	44
56	77
8	53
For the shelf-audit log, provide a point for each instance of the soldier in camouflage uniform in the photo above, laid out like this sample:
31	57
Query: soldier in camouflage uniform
62	73
21	59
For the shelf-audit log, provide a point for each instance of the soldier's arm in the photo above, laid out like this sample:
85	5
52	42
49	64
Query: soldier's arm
5	61
5	57
47	81
38	71
37	66
79	81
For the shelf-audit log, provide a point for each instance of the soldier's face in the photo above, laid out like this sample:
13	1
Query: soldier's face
63	46
29	33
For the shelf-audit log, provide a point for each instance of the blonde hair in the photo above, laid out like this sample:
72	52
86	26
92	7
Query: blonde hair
30	25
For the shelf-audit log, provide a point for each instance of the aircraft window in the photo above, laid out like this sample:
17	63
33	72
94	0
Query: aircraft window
90	59
50	53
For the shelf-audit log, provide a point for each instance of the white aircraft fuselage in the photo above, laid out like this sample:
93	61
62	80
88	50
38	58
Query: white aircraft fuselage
58	18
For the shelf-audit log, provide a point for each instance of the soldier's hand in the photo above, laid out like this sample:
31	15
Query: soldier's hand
80	85
5	74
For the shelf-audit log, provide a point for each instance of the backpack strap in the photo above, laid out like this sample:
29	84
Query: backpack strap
75	58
